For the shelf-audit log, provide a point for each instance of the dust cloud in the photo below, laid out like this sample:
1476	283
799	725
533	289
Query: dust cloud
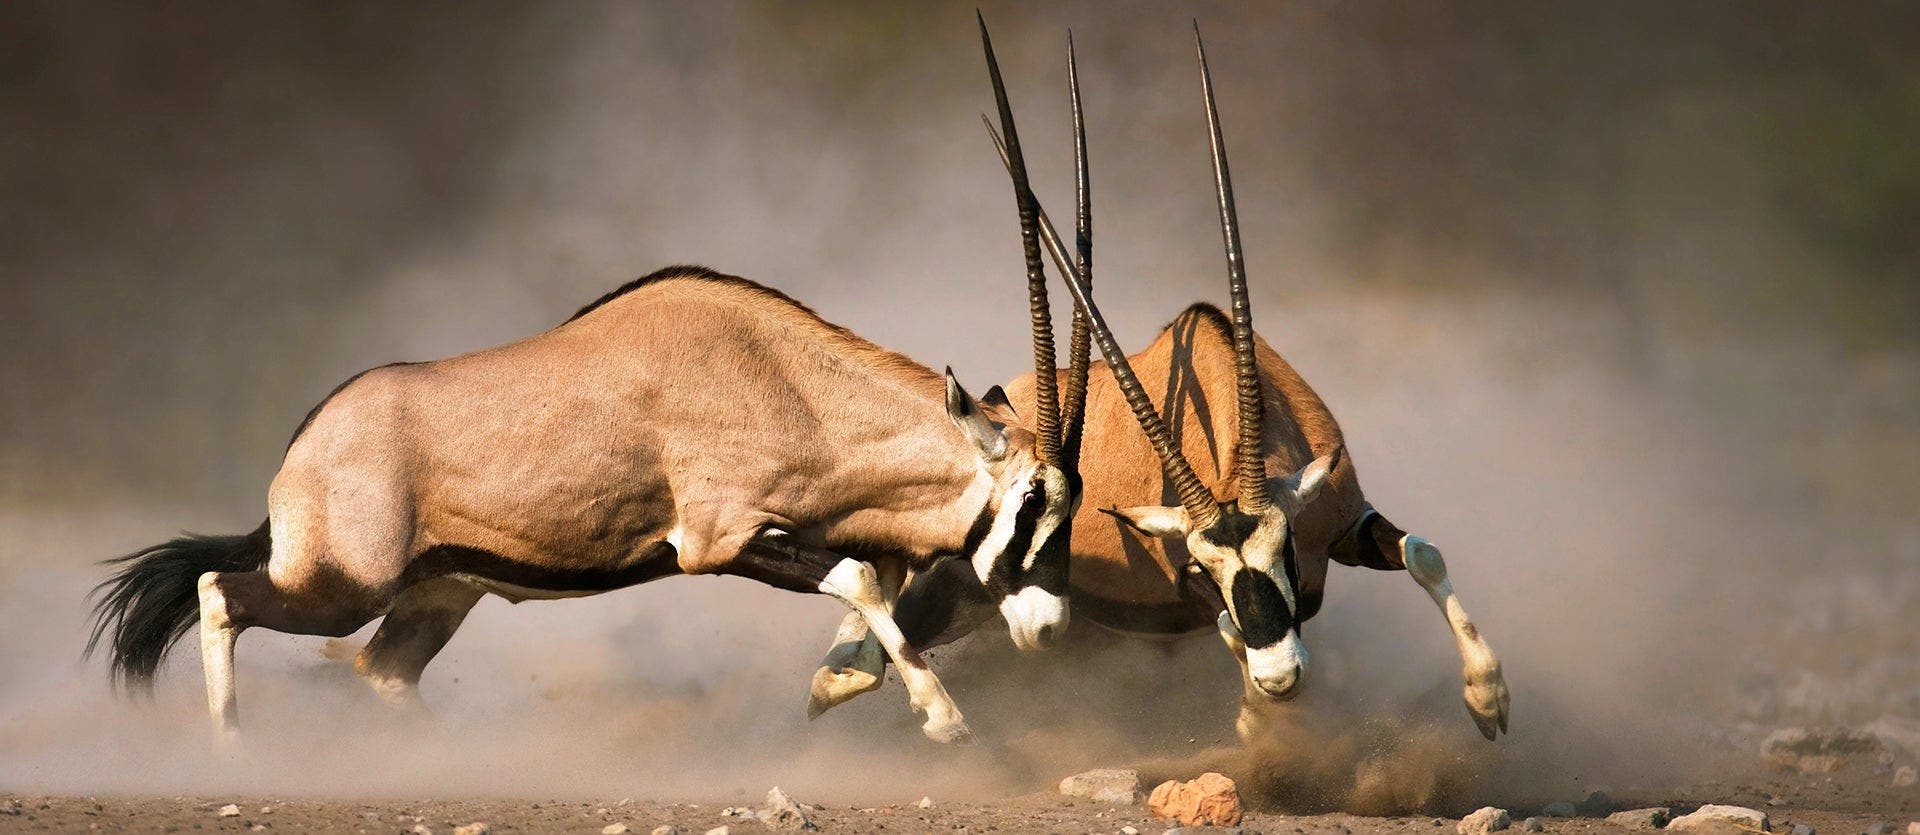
1614	307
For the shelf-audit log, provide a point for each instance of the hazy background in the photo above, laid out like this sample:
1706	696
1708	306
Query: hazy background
1615	303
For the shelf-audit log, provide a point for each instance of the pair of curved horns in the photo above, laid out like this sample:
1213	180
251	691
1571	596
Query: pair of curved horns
1202	508
1052	447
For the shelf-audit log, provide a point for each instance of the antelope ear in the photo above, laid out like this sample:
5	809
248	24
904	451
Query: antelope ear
1301	487
997	397
967	414
1165	522
998	406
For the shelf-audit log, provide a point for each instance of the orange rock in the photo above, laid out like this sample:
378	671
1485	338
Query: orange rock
1208	800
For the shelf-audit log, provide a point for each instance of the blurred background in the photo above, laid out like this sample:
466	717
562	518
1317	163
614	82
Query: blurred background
1615	302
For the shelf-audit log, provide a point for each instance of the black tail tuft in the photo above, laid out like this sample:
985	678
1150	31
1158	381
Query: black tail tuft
154	598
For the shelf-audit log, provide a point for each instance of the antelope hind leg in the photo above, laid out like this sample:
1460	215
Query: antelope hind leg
422	620
1486	689
220	629
232	601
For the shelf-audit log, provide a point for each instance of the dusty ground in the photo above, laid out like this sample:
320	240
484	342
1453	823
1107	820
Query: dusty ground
1844	805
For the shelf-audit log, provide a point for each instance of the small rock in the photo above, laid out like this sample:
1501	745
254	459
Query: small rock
615	829
421	829
1913	828
1439	821
1104	785
925	803
475	828
1484	820
266	810
1905	776
1559	809
1654	817
1881	828
1725	818
718	830
231	810
665	829
10	807
1823	751
1129	830
1802	829
780	812
1533	825
1597	805
1210	799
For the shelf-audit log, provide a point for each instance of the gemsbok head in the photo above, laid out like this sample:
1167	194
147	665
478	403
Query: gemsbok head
1244	542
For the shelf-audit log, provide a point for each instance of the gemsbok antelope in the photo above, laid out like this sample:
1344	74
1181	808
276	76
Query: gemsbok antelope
687	423
1194	534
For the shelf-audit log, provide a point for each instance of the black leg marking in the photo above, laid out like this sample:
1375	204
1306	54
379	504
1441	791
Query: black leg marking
783	565
1373	543
943	604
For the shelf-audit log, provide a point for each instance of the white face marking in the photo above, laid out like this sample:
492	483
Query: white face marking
1261	552
1029	612
1001	533
1056	490
677	537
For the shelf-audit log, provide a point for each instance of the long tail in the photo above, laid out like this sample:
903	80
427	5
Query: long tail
153	599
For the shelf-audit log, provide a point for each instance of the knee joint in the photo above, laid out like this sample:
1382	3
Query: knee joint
1423	561
216	609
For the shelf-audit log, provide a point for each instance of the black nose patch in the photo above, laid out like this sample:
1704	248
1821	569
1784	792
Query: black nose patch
1260	610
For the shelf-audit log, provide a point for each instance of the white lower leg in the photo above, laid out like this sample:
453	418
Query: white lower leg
398	693
855	584
853	665
1486	688
217	637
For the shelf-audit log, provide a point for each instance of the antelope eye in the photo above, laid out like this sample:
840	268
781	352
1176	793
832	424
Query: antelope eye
1031	500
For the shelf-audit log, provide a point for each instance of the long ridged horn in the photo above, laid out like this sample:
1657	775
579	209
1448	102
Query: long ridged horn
1046	388
1080	346
1202	509
1252	467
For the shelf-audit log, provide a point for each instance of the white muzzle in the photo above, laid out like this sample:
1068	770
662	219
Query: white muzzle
1035	617
1281	669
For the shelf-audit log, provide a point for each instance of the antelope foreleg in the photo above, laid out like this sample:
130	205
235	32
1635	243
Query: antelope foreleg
855	663
856	584
782	563
1486	689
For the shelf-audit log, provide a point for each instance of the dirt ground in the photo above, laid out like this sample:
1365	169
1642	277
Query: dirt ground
1831	805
